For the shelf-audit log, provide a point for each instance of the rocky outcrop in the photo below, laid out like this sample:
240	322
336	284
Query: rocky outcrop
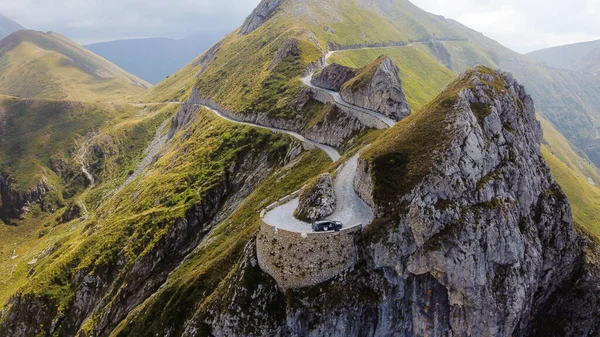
317	199
259	16
489	224
13	203
481	244
335	127
378	87
187	113
363	182
333	77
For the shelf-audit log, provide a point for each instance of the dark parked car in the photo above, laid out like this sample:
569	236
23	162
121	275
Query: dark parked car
327	225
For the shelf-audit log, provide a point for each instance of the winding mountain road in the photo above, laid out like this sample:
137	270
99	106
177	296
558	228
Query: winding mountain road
307	80
351	210
339	100
330	151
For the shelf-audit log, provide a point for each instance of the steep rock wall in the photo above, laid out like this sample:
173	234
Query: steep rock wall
481	245
12	202
378	87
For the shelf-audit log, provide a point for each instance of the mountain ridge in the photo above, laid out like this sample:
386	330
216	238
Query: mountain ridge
583	56
472	236
50	66
8	26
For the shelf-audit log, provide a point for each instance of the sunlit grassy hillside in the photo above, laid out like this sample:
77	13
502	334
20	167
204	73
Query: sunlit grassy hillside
579	179
50	66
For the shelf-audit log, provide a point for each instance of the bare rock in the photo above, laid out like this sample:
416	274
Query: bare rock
259	16
289	48
333	77
317	200
378	87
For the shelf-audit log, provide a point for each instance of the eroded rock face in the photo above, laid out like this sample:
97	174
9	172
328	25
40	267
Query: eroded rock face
333	77
317	200
483	245
490	225
378	88
13	203
259	16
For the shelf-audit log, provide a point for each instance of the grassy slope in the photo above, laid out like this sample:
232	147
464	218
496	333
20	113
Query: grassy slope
573	56
203	271
239	77
49	66
579	179
163	196
38	133
241	65
129	131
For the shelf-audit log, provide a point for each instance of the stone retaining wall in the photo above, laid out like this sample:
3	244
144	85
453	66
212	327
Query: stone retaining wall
297	260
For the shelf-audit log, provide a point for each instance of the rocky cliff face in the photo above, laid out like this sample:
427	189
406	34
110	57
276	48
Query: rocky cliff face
378	87
480	244
333	77
487	223
262	13
12	202
335	128
317	199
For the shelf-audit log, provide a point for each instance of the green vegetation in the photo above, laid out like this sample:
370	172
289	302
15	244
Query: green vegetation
57	131
254	78
345	22
247	74
50	66
40	137
192	169
579	179
194	284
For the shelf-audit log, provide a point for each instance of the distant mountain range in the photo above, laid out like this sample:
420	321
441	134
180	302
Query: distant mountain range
583	56
153	59
8	26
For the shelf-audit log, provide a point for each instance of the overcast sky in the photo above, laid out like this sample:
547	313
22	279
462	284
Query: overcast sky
523	25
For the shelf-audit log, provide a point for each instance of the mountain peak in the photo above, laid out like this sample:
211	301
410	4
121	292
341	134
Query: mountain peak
262	13
487	104
63	70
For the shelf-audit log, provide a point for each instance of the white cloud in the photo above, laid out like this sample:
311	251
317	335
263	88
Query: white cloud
524	25
97	20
